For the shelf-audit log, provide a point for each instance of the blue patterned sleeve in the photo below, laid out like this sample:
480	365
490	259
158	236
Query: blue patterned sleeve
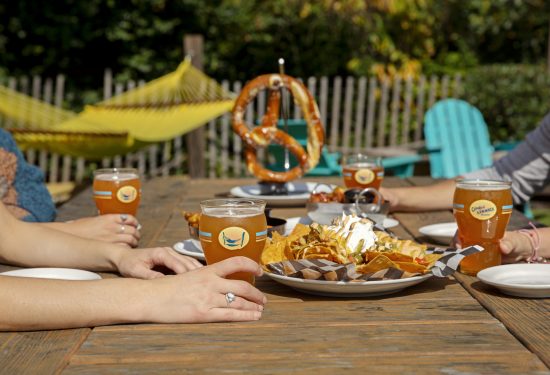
24	191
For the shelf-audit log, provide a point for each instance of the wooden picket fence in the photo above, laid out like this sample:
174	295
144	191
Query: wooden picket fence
359	114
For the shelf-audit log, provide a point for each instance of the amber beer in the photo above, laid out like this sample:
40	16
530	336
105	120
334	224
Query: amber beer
233	227
482	209
117	190
362	171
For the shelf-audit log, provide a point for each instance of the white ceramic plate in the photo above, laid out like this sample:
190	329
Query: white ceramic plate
190	248
522	280
348	289
298	193
53	273
442	233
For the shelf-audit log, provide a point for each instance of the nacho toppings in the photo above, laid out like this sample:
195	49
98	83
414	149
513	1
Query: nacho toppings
349	239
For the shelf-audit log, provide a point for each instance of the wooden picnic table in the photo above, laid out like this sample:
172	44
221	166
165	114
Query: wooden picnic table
454	325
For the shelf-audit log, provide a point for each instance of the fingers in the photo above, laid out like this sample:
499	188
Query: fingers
242	289
127	239
236	264
241	304
233	315
145	273
176	262
126	219
506	247
133	231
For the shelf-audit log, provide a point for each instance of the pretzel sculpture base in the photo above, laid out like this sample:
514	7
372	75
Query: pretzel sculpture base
268	133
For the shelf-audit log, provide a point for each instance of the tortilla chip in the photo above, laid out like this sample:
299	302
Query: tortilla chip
411	267
392	255
381	262
273	252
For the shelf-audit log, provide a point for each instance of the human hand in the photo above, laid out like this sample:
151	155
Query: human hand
389	196
141	263
116	228
200	296
515	247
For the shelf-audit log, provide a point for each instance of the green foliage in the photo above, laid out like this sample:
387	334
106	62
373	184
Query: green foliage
244	38
512	98
142	39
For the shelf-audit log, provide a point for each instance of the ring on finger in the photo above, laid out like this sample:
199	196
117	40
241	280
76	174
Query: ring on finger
123	217
229	297
122	229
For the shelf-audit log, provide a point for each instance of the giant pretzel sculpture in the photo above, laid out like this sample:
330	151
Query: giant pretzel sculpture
267	132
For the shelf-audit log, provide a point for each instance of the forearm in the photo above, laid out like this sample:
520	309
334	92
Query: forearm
28	244
438	196
33	304
57	225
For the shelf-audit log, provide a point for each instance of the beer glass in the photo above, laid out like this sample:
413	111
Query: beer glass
362	171
482	209
117	190
231	227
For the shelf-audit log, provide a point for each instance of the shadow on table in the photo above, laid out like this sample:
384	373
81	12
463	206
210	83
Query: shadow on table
273	288
489	290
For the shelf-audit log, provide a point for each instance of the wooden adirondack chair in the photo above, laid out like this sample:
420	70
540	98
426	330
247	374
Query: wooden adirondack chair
457	139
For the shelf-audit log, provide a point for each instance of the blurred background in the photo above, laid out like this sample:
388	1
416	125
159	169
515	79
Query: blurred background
500	46
374	66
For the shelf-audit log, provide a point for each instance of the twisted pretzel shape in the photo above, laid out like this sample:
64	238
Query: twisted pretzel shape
267	132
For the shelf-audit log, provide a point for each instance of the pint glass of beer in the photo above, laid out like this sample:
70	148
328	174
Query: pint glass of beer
362	171
482	209
117	190
231	227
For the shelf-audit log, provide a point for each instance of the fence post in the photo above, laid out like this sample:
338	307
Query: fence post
193	45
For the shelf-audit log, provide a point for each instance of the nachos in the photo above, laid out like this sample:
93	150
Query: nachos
349	239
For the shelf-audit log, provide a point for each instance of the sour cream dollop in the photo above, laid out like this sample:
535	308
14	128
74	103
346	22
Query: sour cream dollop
355	233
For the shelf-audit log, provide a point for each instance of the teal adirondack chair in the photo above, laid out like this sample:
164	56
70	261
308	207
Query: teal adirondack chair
457	139
328	163
401	166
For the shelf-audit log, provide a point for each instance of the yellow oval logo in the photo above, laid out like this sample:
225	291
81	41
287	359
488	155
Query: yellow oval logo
233	238
127	194
483	209
364	176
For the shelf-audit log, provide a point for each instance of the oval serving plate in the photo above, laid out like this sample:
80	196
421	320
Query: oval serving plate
348	289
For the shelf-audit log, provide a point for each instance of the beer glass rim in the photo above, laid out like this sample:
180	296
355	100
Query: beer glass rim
359	156
483	183
101	171
233	202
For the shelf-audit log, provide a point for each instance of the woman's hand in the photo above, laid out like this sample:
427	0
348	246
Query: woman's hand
515	247
141	263
200	296
116	228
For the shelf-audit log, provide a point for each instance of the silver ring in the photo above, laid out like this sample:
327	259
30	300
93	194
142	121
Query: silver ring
123	217
122	229
229	297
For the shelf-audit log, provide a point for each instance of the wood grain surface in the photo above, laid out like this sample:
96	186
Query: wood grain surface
441	326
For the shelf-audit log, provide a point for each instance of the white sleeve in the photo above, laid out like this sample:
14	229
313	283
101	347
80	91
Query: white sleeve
527	165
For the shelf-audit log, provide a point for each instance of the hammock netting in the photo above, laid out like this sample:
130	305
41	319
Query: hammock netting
160	110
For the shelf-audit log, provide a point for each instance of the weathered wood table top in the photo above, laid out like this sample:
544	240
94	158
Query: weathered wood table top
441	326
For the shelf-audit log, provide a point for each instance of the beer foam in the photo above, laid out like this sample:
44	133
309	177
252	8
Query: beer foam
483	185
361	165
237	212
116	176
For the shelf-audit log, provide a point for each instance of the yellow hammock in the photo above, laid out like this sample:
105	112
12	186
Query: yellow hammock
157	111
